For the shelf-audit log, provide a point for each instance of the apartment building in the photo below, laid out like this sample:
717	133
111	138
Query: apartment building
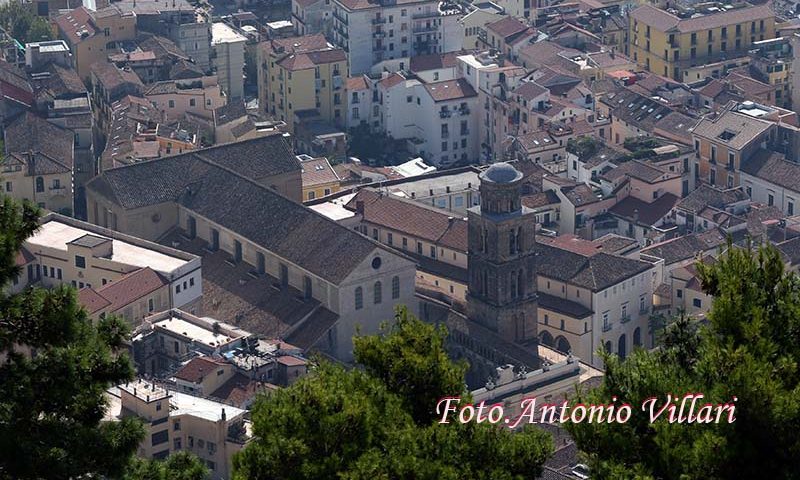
493	78
228	59
771	62
360	110
177	20
444	115
768	178
319	178
587	302
671	45
238	204
115	273
38	163
176	421
93	35
508	35
301	74
725	143
312	16
197	96
373	32
188	350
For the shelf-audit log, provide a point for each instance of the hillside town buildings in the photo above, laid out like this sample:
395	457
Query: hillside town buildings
248	191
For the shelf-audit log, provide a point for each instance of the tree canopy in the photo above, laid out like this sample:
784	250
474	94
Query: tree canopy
55	367
750	349
376	422
21	23
178	466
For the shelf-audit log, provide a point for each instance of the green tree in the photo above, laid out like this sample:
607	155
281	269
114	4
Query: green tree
20	22
53	401
360	423
178	466
410	359
750	349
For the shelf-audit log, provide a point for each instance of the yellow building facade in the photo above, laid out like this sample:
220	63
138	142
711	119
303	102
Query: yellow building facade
672	46
302	74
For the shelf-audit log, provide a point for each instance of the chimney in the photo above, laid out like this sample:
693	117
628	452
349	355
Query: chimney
450	220
635	214
224	417
360	207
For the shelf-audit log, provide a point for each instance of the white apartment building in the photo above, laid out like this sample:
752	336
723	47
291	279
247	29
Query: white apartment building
371	33
228	58
770	179
439	119
493	79
68	251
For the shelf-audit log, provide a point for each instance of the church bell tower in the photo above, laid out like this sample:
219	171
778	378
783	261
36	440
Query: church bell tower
502	259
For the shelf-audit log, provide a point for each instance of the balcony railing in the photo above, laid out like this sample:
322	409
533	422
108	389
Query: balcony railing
606	327
625	318
379	21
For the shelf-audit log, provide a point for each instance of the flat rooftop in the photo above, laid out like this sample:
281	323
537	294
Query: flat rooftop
222	33
200	333
55	234
183	404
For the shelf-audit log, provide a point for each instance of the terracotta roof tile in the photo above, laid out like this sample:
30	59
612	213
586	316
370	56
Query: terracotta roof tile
197	368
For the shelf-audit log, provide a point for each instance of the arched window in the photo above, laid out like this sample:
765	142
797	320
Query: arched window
39	184
395	287
359	298
637	337
484	283
519	240
378	293
546	338
512	242
622	347
514	284
521	283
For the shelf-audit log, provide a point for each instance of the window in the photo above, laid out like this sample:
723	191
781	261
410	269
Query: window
176	444
790	207
378	294
389	238
176	426
56	184
375	233
177	289
39	184
312	195
770	199
359	298
9	187
150	305
405	243
679	293
433	251
606	324
172	104
80	261
419	248
697	303
395	287
159	437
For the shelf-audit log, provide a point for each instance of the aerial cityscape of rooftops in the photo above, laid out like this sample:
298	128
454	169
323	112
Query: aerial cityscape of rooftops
242	232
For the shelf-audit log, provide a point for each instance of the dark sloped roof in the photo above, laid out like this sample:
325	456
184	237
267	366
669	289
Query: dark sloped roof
773	168
596	272
229	112
197	368
30	133
132	287
707	196
217	183
564	306
644	213
413	219
685	247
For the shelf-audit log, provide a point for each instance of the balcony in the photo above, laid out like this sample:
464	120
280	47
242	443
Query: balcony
445	114
379	21
625	318
379	34
425	29
463	111
606	327
445	134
